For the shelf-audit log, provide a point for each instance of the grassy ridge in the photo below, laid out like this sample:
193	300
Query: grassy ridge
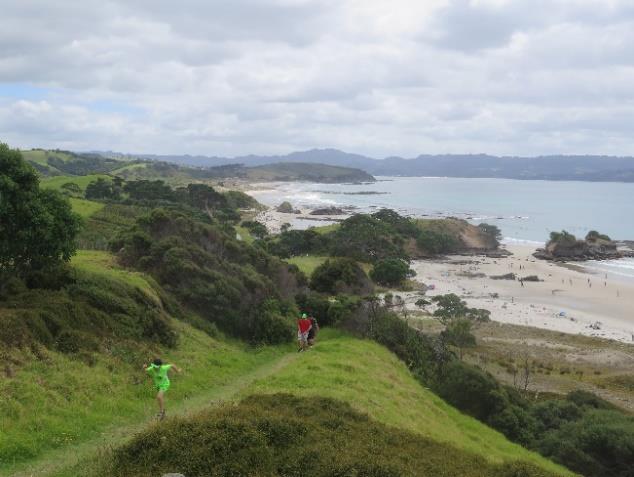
374	381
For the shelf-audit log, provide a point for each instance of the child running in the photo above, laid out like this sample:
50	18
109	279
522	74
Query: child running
159	374
303	327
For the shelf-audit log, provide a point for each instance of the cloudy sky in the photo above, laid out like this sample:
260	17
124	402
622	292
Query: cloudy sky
377	77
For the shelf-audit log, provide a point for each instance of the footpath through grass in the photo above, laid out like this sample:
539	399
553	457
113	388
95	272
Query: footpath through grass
59	415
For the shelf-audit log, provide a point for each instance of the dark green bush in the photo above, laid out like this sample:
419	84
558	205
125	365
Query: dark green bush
600	443
284	435
435	242
340	275
329	311
226	281
390	272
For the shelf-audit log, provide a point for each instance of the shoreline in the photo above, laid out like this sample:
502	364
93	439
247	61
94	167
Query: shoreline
568	299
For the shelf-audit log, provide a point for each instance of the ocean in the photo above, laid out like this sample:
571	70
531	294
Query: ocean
525	211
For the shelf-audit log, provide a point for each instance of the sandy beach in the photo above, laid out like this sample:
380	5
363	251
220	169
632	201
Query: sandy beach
569	299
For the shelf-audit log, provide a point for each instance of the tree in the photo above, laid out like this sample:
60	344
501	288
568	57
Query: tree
257	229
450	306
458	334
340	275
102	189
37	227
390	272
491	231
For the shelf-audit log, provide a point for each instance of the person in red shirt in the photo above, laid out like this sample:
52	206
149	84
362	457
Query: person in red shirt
303	327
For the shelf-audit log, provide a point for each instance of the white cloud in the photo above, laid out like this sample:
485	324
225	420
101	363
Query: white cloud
269	76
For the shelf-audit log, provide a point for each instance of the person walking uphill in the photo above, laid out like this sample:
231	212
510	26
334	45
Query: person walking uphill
312	333
159	373
303	327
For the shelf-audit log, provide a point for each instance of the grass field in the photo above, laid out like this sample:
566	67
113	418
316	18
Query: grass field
41	156
84	207
307	264
57	182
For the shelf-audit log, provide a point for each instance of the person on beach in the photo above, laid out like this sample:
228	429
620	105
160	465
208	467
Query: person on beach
314	329
159	373
303	327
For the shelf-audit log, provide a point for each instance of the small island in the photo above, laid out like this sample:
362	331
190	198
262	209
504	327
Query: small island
565	247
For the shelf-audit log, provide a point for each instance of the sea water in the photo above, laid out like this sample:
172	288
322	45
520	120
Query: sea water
525	211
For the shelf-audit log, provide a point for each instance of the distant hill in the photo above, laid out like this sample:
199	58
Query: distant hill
290	171
555	167
58	163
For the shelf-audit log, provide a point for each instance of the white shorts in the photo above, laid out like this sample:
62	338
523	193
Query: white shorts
302	337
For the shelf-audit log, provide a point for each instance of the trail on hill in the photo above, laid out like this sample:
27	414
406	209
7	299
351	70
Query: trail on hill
58	461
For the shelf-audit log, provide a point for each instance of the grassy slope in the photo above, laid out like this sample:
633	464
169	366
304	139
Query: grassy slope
373	380
58	402
82	181
309	263
84	207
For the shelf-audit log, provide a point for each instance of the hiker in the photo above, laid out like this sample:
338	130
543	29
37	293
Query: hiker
303	327
314	329
159	374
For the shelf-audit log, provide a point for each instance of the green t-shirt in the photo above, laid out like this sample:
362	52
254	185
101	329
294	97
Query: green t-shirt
159	374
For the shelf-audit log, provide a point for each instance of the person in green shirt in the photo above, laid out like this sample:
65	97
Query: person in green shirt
159	373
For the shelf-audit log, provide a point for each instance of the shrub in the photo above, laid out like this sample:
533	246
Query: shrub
471	390
600	443
327	311
436	242
287	435
390	272
340	275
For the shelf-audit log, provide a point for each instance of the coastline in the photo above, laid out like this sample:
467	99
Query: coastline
592	304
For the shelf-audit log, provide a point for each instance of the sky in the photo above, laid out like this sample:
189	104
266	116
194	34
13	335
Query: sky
375	77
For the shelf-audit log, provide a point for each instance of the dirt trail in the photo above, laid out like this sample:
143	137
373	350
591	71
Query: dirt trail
61	461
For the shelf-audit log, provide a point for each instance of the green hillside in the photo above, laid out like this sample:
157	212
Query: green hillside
103	399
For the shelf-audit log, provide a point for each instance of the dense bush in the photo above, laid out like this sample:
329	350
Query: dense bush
102	189
329	311
224	280
340	276
436	242
291	243
367	239
390	272
284	435
599	443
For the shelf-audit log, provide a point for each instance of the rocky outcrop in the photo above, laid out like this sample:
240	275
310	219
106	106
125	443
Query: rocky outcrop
286	208
565	247
328	211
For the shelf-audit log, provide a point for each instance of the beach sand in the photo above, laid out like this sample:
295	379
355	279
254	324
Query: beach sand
593	304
